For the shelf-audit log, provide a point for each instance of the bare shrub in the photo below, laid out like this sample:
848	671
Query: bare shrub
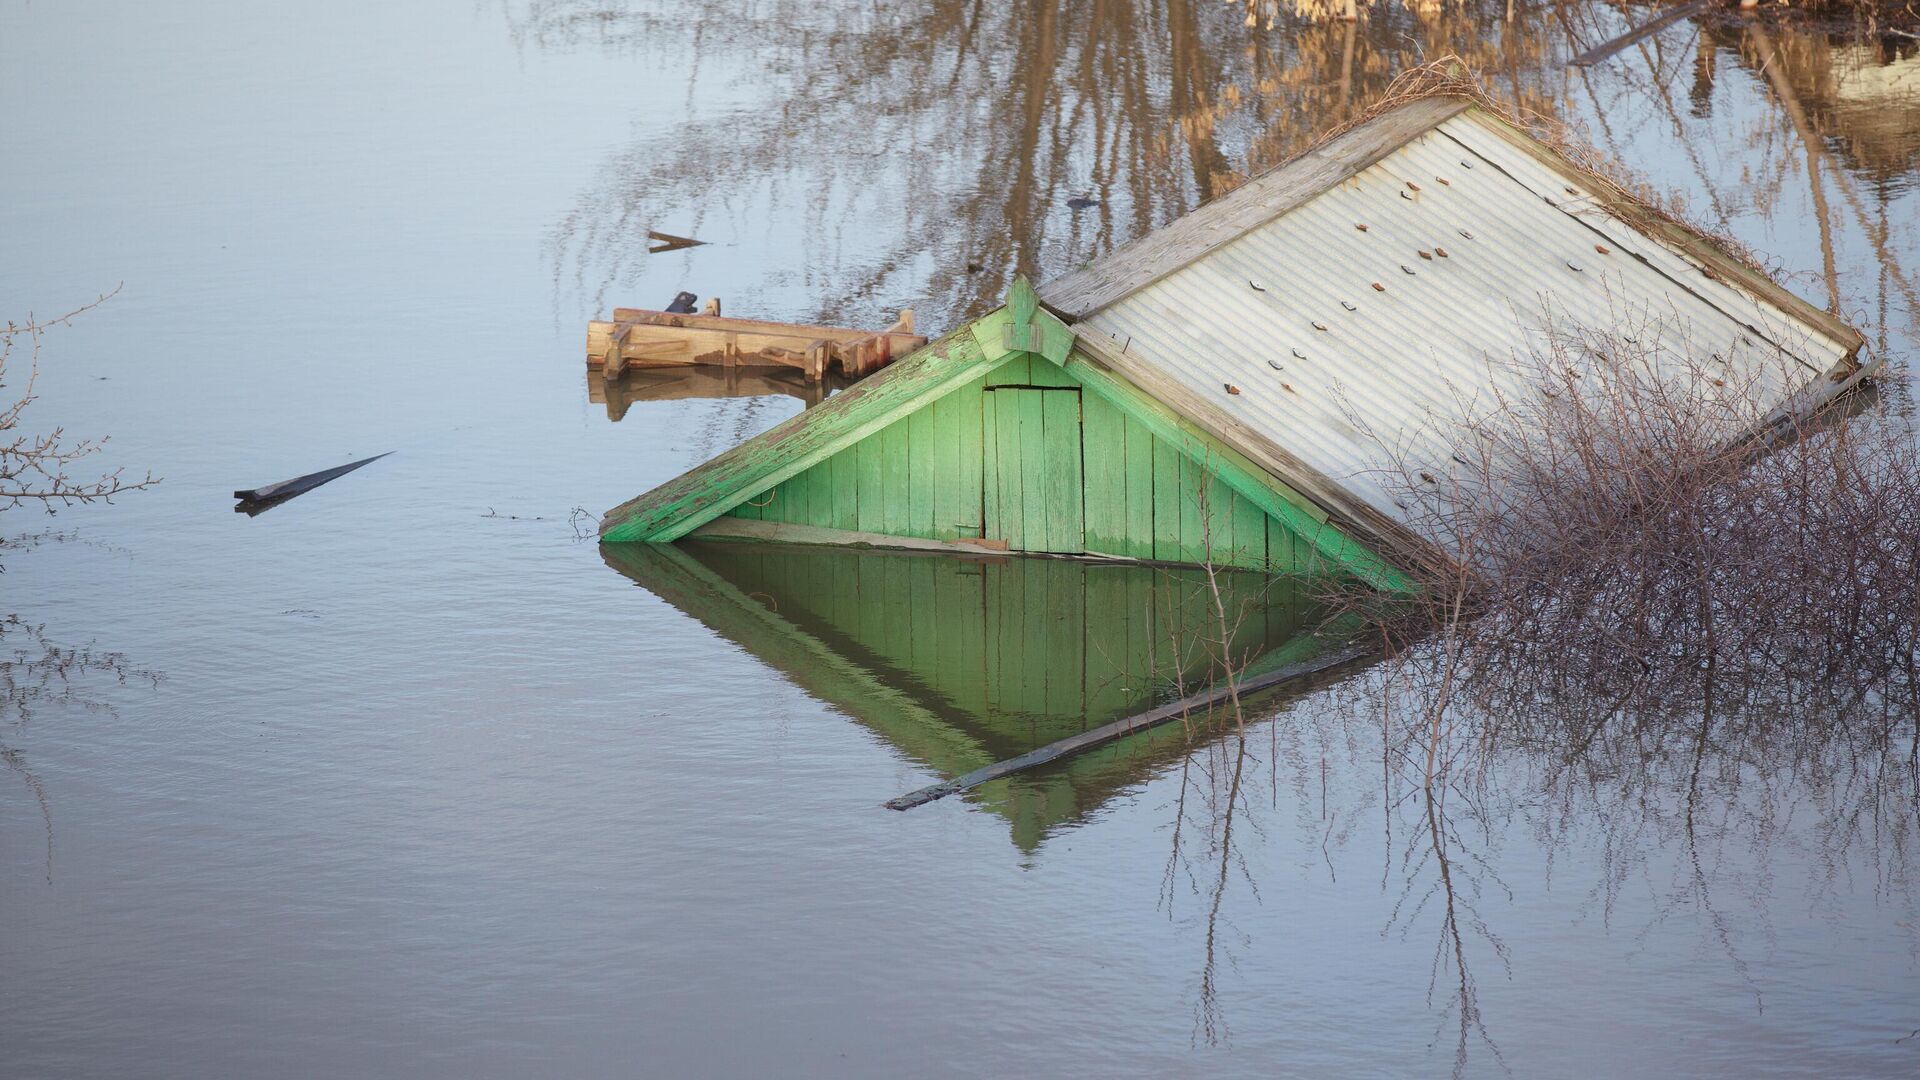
34	466
1635	535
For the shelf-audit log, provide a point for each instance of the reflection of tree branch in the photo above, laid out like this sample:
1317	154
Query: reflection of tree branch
36	673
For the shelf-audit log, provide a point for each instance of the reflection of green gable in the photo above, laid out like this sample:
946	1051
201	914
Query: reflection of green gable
1002	433
959	662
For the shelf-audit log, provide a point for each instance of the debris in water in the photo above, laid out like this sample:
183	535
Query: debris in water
669	242
257	500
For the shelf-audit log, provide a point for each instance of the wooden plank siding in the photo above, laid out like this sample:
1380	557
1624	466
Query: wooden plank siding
1026	455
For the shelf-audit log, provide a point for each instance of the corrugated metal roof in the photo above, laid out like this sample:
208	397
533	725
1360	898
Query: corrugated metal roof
1396	301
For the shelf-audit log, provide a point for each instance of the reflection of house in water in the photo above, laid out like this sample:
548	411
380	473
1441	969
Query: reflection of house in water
960	662
675	384
1863	96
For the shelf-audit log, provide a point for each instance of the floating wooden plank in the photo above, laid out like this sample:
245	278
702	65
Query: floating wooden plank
261	498
640	338
1121	728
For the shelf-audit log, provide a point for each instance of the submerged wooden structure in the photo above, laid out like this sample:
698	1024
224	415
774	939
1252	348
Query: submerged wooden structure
636	338
1221	390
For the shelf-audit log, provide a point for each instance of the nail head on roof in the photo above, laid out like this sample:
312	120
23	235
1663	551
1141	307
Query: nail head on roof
1349	305
1361	225
1298	355
1257	287
1466	234
1405	268
1318	325
1275	365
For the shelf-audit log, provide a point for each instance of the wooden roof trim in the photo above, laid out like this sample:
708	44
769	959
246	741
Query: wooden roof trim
1135	265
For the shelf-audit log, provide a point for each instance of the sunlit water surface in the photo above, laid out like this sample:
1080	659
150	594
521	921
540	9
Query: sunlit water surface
402	777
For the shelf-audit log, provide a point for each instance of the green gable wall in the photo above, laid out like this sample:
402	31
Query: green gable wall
1028	454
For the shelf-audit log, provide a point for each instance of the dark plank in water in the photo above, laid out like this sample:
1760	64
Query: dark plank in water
274	494
1107	733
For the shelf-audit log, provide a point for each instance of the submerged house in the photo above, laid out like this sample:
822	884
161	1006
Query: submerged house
1222	389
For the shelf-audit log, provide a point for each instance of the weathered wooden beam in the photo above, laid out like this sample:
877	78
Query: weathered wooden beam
1125	726
636	337
1136	265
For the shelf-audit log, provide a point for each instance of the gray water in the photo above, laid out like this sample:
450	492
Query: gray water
401	778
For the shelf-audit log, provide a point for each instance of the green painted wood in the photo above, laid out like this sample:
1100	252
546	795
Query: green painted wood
696	497
1166	502
923	464
1033	468
1192	480
968	513
1249	530
1015	370
1340	552
896	479
1063	471
1104	441
1139	487
991	522
843	481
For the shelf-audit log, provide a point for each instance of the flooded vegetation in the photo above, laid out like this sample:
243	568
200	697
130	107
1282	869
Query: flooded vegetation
433	784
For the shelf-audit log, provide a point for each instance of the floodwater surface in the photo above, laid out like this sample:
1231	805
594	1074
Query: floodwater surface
406	776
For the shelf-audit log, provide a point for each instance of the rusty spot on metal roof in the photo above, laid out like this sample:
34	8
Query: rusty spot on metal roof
1413	186
1232	389
1440	251
1603	249
1443	180
1288	387
1427	255
1377	287
1361	225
